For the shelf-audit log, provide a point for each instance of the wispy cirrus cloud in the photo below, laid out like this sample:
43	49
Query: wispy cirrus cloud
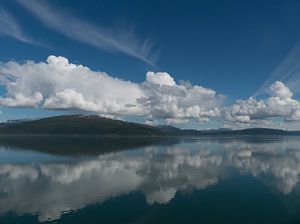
124	41
288	72
10	27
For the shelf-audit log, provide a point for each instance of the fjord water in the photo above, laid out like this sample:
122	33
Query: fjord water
121	180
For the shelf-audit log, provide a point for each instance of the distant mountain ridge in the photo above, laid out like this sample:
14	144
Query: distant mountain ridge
96	125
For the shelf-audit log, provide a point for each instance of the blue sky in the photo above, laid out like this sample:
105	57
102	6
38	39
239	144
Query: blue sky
230	47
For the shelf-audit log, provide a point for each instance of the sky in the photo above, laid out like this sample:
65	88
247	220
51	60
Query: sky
191	64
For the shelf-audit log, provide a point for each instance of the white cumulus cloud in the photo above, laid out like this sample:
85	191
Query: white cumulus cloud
178	103
280	104
160	78
59	84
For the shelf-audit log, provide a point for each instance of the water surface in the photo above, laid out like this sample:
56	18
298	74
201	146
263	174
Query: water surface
121	180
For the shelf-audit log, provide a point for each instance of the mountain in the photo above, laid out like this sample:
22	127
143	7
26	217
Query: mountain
96	125
77	125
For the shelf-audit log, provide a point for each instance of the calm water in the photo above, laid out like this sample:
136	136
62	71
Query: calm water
150	181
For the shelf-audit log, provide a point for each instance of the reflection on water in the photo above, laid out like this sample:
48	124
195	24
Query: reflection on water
51	188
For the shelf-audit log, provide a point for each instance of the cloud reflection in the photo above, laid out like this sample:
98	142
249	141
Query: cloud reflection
50	189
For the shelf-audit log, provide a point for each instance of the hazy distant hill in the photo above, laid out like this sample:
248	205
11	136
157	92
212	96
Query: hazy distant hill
96	125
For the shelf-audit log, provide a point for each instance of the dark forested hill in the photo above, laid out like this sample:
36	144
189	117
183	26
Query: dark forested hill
78	125
96	125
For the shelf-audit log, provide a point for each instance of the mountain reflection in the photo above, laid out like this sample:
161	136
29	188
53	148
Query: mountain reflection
50	189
